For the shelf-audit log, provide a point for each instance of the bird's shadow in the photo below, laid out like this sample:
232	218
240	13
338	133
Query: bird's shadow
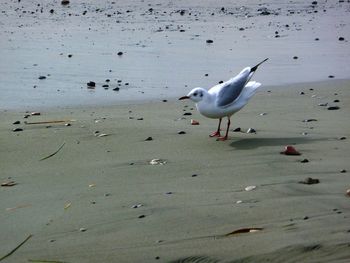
254	143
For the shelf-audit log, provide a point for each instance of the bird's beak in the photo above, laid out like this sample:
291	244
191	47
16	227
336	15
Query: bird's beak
184	98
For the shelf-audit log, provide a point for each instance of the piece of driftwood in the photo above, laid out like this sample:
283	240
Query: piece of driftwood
52	154
14	250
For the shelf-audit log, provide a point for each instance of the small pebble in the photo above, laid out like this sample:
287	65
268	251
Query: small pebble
263	114
309	120
169	193
70	55
302	93
42	77
333	108
295	57
304	161
194	175
250	188
251	130
116	89
141	216
120	53
290	150
187	114
209	41
348	192
342	138
336	101
341	39
237	129
17	129
181	132
82	229
343	171
306	218
68	124
331	76
149	139
323	104
136	206
310	180
91	84
16	122
64	2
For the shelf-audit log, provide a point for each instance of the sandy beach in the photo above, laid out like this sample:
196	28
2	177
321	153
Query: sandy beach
122	176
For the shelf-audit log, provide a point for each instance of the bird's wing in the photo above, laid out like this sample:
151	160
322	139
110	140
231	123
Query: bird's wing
231	89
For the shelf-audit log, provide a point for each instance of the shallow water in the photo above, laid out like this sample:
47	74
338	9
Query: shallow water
164	54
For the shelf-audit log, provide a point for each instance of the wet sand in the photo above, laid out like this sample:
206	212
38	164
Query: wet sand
78	204
87	191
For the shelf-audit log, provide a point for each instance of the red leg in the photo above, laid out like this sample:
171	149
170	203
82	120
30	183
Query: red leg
224	138
217	133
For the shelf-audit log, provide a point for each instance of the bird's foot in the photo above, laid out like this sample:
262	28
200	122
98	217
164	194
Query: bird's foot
215	134
222	138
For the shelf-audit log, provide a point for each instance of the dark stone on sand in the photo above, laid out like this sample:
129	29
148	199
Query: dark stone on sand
181	132
309	120
142	216
52	11
220	82
16	122
331	76
187	114
26	116
317	39
120	53
64	2
342	138
333	108
241	29
336	101
343	171
105	85
165	100
295	57
314	3
140	119
70	55
116	89
42	77
206	74
341	39
194	175
302	93
209	41
17	129
149	139
91	84
310	180
306	218
237	129
323	104
304	161
107	80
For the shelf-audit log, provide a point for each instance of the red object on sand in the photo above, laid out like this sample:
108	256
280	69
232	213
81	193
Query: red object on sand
194	122
290	150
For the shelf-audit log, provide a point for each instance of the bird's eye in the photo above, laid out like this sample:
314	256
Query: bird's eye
201	94
195	94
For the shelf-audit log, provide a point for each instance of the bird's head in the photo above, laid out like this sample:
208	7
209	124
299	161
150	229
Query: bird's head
196	95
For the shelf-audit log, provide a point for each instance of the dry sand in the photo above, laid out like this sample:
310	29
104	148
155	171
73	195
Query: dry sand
93	182
98	199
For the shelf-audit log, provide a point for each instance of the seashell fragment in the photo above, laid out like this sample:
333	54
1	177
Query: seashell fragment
290	150
250	188
157	162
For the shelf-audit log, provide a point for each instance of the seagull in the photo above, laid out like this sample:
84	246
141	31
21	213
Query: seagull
225	99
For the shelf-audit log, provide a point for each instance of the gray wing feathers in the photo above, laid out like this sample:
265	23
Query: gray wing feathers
232	88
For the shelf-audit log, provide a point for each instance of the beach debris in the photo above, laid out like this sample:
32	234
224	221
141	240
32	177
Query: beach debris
17	129
244	230
348	192
82	229
26	116
136	206
295	57
67	124
149	138
309	120
54	153
333	108
16	122
343	171
68	205
239	202
70	55
44	260
187	114
304	161
14	250
237	129
8	183
250	188
91	185
35	113
120	53
263	114
48	122
17	207
342	138
181	132
331	76
325	104
42	77
341	38
290	150
194	122
91	84
141	216
309	180
102	135
169	193
194	175
116	89
64	2
157	162
305	218
209	41
251	130
301	93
